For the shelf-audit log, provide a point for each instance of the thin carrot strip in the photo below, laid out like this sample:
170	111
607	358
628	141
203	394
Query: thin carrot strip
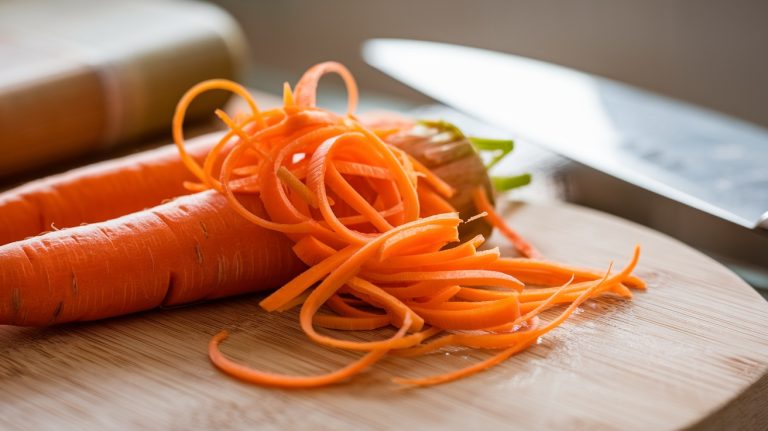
473	277
541	293
215	152
431	202
482	204
186	100
345	323
425	260
274	196
493	314
400	176
312	251
442	296
294	183
305	90
351	197
425	239
288	95
293	303
423	349
484	365
380	297
433	180
302	227
480	260
304	281
452	305
286	381
474	294
343	308
358	219
316	180
362	170
521	267
388	197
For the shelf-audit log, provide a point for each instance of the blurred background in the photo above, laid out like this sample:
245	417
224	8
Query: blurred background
709	52
124	64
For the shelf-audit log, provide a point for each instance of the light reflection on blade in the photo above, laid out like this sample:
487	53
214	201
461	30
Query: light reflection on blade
698	157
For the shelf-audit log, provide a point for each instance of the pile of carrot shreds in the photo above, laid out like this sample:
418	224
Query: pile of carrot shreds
380	239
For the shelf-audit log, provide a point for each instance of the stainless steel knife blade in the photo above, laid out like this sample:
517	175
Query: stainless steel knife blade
704	159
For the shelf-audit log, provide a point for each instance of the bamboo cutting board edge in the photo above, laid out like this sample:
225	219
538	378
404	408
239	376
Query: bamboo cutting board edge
657	362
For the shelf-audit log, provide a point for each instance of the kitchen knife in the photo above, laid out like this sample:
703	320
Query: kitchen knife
701	158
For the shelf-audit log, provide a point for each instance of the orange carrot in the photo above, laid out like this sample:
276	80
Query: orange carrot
483	204
97	192
191	249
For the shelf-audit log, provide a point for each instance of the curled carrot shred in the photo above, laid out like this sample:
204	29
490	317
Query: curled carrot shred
381	240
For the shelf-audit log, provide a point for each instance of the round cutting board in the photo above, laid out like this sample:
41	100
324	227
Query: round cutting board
691	351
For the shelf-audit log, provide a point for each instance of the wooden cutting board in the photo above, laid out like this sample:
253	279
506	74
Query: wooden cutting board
692	351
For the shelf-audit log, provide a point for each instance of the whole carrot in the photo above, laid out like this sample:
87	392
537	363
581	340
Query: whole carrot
191	249
97	192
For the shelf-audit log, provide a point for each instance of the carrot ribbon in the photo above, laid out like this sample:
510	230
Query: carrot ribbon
381	239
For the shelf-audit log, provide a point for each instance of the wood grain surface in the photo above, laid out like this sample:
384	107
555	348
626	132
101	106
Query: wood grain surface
691	352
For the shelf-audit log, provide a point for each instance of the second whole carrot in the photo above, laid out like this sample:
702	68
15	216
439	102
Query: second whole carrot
108	189
98	192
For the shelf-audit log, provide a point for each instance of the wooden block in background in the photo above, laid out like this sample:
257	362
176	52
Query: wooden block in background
80	77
